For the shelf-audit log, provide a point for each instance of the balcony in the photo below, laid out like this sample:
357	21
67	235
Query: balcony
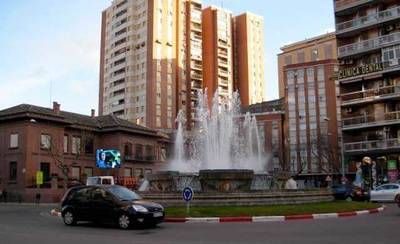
223	74
196	66
341	5
369	45
370	95
222	63
140	158
369	20
366	121
196	76
117	107
370	146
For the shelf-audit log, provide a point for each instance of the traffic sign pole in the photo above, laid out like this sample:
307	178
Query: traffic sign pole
187	195
187	208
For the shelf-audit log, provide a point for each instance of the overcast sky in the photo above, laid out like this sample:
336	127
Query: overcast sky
49	50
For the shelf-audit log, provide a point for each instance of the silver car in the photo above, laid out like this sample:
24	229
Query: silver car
386	193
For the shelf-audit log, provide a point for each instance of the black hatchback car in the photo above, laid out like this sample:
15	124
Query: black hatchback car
109	204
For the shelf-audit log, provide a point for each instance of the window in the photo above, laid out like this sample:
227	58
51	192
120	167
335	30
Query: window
288	60
148	172
138	172
328	51
14	141
300	57
88	171
139	151
76	173
76	145
13	171
65	144
163	154
45	141
82	195
314	55
128	149
45	168
128	172
89	145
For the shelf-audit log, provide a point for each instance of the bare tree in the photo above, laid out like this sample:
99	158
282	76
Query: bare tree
326	155
55	148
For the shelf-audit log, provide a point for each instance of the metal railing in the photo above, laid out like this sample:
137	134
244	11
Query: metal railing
344	4
376	18
368	45
360	96
372	145
140	158
366	120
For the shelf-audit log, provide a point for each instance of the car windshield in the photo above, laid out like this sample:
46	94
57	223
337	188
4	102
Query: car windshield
124	194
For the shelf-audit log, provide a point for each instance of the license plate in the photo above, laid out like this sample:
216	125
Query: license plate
158	214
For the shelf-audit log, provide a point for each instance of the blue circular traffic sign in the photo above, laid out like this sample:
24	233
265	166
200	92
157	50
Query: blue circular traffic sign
187	194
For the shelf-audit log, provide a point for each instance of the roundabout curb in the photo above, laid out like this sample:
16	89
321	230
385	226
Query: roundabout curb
259	219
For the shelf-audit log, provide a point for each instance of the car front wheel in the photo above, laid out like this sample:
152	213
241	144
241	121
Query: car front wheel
69	218
124	221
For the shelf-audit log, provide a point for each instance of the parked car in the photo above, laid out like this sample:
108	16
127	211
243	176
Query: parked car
109	204
386	193
100	180
349	192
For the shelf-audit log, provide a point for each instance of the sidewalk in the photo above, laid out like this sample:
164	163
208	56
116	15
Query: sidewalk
28	204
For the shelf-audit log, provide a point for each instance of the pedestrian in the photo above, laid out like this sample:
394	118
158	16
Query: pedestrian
1	194
4	195
37	198
328	181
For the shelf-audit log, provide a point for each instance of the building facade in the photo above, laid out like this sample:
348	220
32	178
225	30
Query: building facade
150	60
49	140
270	117
368	36
217	53
307	81
249	57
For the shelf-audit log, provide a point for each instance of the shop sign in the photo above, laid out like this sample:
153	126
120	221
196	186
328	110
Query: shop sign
360	70
392	165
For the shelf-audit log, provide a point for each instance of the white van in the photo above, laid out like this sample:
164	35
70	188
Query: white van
100	180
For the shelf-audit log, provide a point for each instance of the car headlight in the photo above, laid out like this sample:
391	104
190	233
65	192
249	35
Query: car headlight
139	208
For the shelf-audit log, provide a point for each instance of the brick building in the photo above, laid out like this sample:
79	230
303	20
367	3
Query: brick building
270	119
35	139
307	81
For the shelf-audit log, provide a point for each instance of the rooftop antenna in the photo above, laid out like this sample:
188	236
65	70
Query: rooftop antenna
51	83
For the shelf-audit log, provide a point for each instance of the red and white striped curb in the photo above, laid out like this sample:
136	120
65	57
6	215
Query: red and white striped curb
263	218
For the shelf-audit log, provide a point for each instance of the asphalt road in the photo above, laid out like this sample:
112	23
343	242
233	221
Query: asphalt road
34	224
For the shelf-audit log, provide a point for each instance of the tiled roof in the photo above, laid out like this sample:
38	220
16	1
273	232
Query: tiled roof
106	122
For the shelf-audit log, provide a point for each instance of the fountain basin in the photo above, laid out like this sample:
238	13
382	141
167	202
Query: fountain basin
163	181
226	180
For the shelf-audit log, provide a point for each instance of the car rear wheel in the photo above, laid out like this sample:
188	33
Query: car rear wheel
124	221
69	218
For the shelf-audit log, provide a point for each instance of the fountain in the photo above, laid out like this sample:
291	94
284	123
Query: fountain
222	158
224	148
222	139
